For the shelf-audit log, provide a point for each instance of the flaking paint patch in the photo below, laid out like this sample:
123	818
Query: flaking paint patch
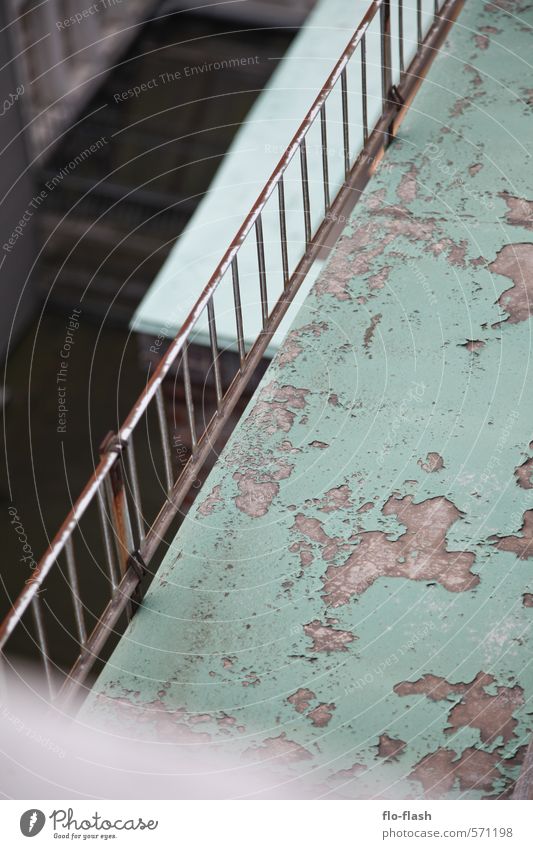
313	529
432	463
520	210
301	699
522	545
482	42
473	345
515	261
212	501
420	553
305	552
326	638
439	771
321	715
378	280
337	498
297	339
455	252
390	748
348	774
274	409
407	190
279	748
491	713
371	329
257	490
170	724
524	474
459	107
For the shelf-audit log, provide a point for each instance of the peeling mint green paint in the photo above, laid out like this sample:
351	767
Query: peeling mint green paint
374	377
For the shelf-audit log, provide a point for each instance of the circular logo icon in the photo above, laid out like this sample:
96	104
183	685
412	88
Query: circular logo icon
32	822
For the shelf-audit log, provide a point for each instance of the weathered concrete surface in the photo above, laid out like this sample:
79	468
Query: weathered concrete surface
351	599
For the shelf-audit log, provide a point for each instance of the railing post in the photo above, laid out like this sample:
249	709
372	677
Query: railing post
120	519
390	93
386	70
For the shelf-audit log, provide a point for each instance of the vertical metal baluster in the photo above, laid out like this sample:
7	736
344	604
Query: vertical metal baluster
345	125
400	34
363	88
214	349
436	9
119	516
283	231
136	491
325	166
260	244
75	591
238	308
41	638
163	430
189	403
419	21
108	546
386	80
305	191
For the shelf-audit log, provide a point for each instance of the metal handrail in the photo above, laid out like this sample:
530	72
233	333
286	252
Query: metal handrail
114	483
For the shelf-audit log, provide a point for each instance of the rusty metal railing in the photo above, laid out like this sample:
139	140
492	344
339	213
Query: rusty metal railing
128	540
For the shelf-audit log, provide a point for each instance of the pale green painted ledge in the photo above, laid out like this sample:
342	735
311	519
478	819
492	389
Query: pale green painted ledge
328	471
